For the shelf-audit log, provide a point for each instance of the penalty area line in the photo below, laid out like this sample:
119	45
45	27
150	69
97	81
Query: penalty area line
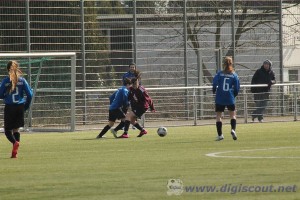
218	154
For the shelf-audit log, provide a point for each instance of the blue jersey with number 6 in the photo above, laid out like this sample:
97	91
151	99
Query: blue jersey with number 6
227	87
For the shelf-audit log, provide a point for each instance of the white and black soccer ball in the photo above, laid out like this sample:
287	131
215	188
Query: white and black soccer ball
162	131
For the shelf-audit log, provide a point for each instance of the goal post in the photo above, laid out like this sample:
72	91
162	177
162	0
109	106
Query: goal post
52	76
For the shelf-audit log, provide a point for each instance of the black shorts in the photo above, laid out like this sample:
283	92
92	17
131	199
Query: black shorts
138	112
13	116
221	108
116	114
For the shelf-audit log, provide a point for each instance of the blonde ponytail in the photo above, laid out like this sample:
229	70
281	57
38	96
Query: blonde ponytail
14	74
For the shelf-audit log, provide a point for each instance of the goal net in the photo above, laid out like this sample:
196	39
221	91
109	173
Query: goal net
52	79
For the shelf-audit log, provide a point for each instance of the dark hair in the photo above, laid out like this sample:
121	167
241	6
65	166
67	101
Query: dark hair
228	64
132	63
133	80
127	81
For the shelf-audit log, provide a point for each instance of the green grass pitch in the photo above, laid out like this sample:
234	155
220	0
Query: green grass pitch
77	166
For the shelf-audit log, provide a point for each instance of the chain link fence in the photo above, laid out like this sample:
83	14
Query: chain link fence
174	43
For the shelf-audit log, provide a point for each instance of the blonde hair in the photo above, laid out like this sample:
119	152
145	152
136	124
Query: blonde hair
228	64
14	74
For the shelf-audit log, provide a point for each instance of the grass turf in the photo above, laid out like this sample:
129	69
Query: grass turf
77	166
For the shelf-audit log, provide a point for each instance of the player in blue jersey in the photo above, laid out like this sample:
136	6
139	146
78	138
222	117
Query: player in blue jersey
226	86
118	106
12	90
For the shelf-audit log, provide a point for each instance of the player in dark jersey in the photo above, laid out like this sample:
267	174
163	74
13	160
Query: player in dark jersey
226	86
12	90
118	106
140	102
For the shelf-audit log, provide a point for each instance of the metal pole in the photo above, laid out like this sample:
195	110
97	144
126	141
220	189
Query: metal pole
233	29
281	55
295	103
186	82
245	105
29	59
73	93
185	44
200	80
83	60
134	32
195	107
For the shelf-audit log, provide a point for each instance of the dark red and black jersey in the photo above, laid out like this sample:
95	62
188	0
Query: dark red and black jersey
140	99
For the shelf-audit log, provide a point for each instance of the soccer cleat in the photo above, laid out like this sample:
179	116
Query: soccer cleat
114	132
219	138
15	149
124	136
234	137
143	132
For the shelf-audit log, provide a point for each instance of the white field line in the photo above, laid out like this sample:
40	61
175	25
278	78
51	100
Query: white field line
218	154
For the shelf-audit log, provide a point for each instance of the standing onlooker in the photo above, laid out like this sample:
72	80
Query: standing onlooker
226	85
264	75
132	73
12	90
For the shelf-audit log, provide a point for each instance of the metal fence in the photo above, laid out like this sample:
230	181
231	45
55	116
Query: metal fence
179	106
178	43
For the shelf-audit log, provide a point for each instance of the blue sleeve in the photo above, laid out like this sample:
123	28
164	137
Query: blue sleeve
236	86
29	94
125	98
112	97
2	89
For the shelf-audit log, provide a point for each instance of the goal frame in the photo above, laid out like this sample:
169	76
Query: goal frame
72	56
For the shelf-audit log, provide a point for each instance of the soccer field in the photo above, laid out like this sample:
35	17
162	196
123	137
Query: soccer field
262	164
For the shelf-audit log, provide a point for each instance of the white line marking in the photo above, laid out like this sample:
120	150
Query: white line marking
217	154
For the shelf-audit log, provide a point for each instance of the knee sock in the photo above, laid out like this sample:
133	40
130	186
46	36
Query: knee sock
138	126
17	136
10	136
120	126
126	126
219	128
104	130
233	123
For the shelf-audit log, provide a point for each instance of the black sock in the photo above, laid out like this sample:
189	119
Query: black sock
126	126
233	123
17	136
10	136
120	126
138	126
219	128
104	130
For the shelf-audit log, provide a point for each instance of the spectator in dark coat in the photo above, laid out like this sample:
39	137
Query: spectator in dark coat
264	75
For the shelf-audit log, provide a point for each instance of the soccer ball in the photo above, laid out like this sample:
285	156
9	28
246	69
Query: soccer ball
162	131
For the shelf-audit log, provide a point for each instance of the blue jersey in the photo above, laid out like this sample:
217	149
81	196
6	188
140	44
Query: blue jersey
227	87
119	99
16	96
